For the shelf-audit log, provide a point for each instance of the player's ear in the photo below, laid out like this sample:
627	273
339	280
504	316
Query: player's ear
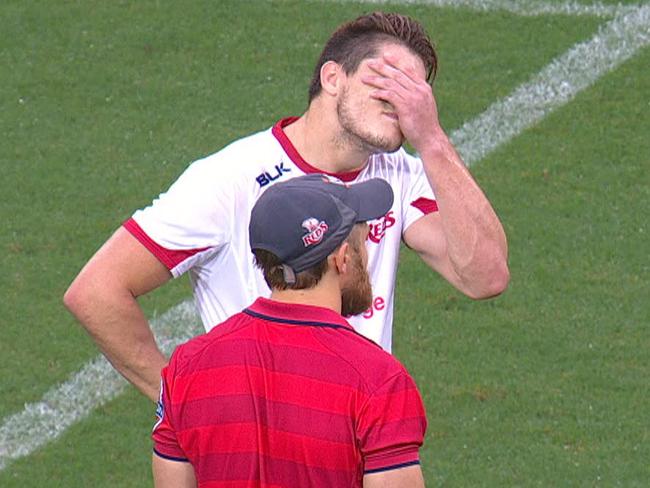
331	77
342	258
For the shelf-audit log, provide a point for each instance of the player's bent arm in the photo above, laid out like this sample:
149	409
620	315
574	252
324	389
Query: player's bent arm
482	273
407	477
103	298
475	243
172	474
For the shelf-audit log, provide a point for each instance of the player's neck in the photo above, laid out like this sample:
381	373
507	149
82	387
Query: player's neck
315	136
325	294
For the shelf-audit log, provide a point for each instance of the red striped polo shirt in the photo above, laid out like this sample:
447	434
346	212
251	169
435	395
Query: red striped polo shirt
287	395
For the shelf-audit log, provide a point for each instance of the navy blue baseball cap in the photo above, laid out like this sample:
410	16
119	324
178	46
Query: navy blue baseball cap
304	219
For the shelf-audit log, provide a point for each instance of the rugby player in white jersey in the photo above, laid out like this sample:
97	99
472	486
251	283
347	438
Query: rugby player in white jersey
370	93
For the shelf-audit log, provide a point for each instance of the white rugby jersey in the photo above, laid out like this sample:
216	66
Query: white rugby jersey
200	225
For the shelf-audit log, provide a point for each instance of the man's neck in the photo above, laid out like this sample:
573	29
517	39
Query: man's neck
324	295
317	138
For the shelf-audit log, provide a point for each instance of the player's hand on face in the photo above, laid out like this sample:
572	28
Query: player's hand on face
409	94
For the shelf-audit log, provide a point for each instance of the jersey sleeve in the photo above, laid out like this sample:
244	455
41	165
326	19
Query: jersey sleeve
191	220
165	443
417	195
392	425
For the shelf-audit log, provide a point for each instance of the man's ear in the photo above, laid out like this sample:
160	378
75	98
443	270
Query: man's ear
342	258
331	78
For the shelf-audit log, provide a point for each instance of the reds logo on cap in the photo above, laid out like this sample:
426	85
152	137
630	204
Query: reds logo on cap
316	230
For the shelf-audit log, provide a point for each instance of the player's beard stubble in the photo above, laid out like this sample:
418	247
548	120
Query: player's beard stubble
356	297
355	134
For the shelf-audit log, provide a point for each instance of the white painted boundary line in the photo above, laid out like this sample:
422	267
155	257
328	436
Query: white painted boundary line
526	8
97	382
558	83
94	385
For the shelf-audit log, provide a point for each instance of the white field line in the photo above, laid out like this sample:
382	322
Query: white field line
92	386
558	83
527	8
97	383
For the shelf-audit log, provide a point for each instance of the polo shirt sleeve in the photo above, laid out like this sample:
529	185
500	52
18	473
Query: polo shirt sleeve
392	425
165	442
417	195
192	220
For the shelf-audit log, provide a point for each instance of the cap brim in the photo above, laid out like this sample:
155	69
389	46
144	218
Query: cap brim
375	198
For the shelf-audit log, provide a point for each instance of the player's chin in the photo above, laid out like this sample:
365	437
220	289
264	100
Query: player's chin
393	142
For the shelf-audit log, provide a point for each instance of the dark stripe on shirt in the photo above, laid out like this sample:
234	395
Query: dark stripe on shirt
389	468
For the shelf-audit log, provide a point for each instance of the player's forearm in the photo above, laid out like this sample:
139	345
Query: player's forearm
118	326
476	242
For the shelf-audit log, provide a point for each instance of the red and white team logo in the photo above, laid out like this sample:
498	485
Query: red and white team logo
316	230
378	228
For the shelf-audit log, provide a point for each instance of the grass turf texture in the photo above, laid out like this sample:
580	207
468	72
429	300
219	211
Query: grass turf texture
105	104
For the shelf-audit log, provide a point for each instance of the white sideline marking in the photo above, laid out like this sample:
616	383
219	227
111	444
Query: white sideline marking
560	81
92	386
526	8
97	383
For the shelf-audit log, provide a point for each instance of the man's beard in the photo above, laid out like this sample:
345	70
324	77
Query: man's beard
356	297
354	135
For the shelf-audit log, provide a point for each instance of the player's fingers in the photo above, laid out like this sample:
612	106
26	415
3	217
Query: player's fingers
409	71
389	96
391	72
382	83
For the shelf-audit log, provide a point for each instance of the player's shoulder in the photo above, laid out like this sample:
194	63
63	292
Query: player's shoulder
191	354
238	158
258	143
372	364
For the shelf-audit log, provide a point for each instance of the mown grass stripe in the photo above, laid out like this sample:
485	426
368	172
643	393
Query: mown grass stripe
524	8
558	83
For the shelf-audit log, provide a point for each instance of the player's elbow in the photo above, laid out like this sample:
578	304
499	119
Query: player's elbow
75	299
82	298
493	284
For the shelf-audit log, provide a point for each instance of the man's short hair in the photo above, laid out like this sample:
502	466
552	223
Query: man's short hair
274	275
360	39
271	267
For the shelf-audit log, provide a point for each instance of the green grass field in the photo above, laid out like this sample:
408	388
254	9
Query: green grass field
105	103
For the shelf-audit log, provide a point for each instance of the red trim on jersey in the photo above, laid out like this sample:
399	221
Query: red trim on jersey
425	205
295	156
169	257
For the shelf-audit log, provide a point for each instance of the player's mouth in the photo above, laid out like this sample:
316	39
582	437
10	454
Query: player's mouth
391	115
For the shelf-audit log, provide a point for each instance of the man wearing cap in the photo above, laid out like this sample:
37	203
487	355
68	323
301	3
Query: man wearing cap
286	393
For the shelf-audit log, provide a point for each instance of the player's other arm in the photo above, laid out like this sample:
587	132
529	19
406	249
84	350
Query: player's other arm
103	298
407	477
464	241
466	246
174	474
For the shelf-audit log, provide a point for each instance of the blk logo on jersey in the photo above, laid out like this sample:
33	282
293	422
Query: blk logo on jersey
266	177
315	231
377	229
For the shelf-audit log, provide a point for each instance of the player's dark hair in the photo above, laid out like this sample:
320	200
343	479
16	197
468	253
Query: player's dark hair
271	267
360	39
